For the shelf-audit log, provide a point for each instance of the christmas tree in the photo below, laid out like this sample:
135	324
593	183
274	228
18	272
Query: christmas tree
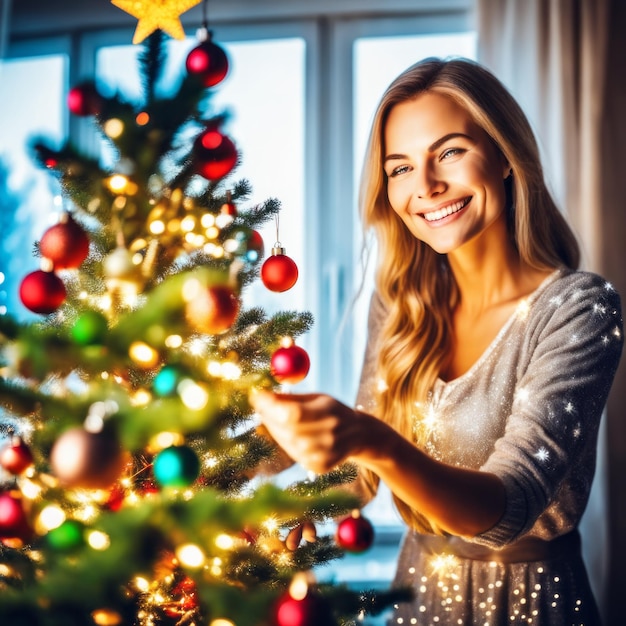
130	491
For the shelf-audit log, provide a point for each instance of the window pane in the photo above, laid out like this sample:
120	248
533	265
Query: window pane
264	95
32	104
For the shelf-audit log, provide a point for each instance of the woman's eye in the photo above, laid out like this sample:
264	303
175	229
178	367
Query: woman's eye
399	170
451	152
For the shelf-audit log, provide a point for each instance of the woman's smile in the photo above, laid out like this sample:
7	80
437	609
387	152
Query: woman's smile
437	215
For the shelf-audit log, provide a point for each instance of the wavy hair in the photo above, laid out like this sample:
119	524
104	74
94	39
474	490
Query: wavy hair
415	282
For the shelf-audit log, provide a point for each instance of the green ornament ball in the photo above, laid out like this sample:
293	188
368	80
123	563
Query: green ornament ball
67	536
176	466
90	328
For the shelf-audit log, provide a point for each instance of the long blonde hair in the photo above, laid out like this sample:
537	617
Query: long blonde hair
414	282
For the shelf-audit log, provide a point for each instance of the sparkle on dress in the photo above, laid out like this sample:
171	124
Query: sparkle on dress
528	411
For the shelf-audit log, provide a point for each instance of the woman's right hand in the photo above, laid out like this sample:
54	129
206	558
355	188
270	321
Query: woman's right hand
305	530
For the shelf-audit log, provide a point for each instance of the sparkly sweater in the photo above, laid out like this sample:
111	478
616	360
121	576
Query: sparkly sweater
529	409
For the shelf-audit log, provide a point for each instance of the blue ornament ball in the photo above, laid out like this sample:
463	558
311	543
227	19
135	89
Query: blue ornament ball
166	381
176	466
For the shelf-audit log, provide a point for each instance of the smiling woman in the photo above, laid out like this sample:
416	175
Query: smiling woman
451	178
489	360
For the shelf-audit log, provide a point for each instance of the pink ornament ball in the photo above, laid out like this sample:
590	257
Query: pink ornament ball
13	521
84	100
290	364
355	533
312	610
209	62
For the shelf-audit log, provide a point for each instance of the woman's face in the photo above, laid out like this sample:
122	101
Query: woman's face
444	174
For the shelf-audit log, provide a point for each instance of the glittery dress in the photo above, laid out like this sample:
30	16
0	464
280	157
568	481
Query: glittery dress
528	411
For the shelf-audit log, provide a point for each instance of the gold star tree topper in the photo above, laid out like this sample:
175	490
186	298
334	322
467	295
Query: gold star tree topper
156	14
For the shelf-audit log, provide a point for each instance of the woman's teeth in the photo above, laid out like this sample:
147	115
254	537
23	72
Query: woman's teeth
439	214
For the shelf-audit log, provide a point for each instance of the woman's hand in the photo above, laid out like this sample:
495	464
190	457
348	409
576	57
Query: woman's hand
315	430
305	531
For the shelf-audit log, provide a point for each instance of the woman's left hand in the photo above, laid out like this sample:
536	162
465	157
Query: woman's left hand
315	430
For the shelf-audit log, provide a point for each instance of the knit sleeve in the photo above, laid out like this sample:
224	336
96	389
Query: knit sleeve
572	348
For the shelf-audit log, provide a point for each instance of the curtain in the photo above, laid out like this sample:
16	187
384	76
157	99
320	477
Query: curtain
565	62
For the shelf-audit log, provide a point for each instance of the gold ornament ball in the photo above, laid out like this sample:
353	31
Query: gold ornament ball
90	460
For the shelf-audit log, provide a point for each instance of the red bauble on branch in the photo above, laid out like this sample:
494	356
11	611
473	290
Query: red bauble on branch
303	607
42	292
13	521
279	272
208	61
355	533
290	364
215	154
214	310
66	244
16	457
84	99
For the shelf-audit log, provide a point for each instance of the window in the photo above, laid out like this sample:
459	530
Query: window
32	104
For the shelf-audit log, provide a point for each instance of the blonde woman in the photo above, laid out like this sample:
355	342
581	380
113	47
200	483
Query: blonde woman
489	360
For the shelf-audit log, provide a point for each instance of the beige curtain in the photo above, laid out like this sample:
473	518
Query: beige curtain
565	61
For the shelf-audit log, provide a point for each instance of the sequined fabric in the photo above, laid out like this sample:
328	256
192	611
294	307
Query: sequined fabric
528	411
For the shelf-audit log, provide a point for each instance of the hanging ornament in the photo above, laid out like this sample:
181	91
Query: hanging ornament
303	606
290	364
355	533
13	521
176	466
66	537
84	99
214	310
163	15
91	460
66	244
279	272
16	457
42	292
214	153
207	61
90	328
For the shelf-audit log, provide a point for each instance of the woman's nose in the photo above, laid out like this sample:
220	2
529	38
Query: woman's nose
428	184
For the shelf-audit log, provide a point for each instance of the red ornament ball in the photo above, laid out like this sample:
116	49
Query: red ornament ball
16	457
84	99
279	272
65	244
215	154
42	292
91	460
312	610
13	521
290	364
214	310
355	533
209	62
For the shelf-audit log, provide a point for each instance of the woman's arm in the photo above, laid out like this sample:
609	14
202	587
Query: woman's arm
319	432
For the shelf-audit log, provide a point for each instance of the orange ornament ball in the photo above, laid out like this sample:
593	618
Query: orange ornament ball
214	310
